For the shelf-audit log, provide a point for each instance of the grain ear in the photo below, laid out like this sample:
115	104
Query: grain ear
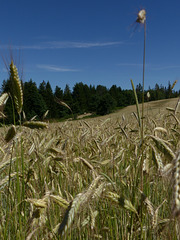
3	99
17	92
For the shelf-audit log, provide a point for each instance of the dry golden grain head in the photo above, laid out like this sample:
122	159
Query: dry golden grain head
3	99
5	180
163	147
157	159
59	200
86	163
17	92
69	215
148	204
39	203
74	206
141	18
2	115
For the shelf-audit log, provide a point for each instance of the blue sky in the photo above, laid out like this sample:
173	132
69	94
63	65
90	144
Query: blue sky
96	42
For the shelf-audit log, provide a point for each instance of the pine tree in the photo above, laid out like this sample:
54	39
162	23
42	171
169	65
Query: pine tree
79	94
105	105
59	109
67	98
34	103
46	91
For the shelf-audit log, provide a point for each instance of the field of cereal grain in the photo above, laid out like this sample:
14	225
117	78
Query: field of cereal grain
81	179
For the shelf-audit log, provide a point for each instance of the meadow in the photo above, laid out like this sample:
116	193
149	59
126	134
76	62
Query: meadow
81	179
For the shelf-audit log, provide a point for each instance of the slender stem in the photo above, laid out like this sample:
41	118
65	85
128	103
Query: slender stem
143	79
14	118
142	126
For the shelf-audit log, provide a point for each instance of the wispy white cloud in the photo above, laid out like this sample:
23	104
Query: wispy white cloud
158	68
56	44
54	68
62	44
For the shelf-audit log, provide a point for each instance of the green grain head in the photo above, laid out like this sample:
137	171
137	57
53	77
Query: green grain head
17	92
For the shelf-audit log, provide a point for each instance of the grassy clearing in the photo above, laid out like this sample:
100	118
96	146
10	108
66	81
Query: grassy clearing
81	179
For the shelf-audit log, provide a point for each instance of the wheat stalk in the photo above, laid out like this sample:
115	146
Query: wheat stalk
137	104
176	203
177	106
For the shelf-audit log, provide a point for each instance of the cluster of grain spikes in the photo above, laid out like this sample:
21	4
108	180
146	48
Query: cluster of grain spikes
78	202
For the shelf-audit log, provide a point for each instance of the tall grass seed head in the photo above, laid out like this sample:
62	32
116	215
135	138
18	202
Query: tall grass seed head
141	16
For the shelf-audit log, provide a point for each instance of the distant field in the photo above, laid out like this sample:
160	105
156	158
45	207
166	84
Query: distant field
82	179
153	107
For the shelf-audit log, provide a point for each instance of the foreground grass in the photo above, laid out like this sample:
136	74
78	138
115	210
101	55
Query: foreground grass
81	179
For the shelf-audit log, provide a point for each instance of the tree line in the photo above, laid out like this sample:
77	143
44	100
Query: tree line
82	99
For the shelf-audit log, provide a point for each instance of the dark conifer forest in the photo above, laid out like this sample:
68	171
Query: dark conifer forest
98	100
